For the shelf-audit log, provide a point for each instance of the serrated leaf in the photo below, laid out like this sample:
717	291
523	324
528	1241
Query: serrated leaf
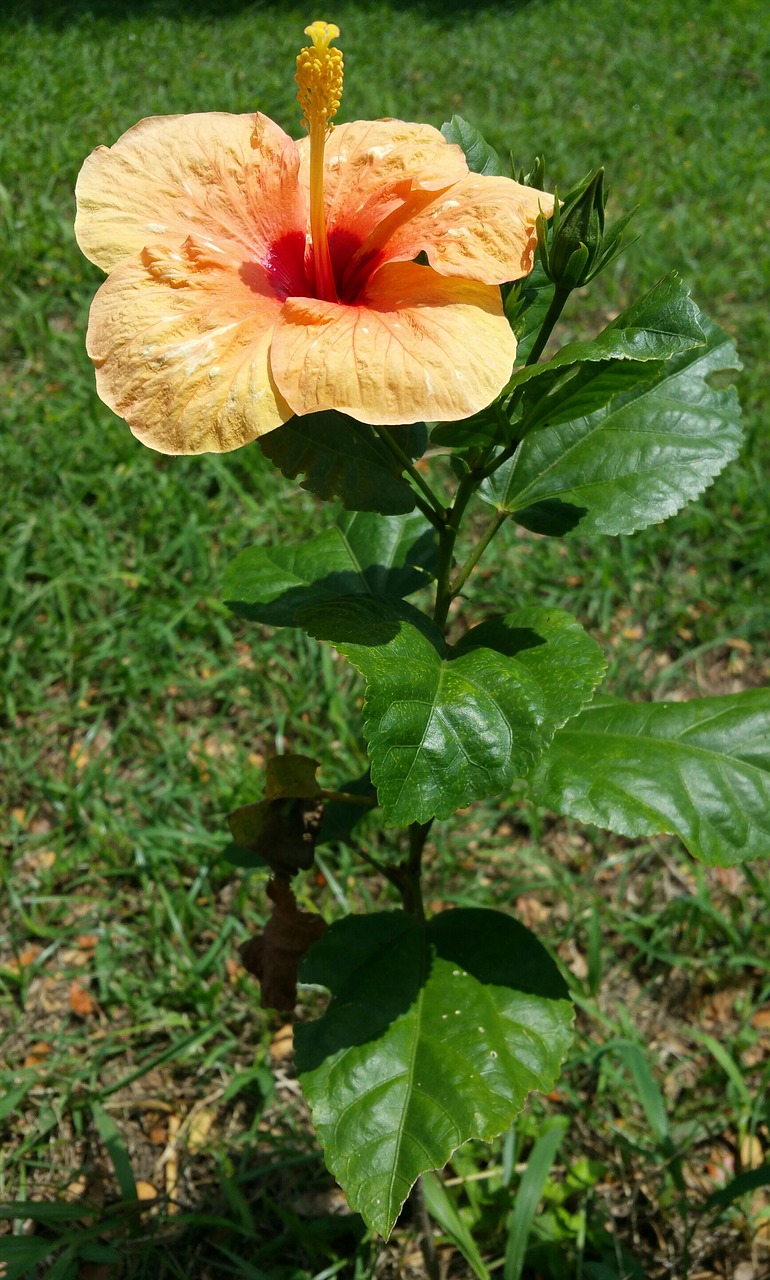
446	726
699	770
435	1034
640	457
345	459
480	156
661	324
362	552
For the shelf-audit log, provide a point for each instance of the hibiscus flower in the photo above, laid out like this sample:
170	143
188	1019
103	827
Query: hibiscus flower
252	277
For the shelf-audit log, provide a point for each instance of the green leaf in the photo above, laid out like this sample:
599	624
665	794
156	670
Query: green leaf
48	1212
699	770
479	431
9	1103
637	459
345	459
443	1210
480	156
741	1185
362	552
526	307
117	1150
340	816
448	725
239	855
661	324
435	1034
529	1195
20	1254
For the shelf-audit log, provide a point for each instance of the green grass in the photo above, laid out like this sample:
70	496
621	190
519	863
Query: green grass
136	711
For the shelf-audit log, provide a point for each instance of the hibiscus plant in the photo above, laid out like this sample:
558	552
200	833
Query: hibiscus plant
373	304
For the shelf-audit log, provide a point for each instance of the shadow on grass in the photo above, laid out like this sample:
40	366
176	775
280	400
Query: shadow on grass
284	1217
59	14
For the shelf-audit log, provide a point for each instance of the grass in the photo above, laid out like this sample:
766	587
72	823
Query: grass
137	711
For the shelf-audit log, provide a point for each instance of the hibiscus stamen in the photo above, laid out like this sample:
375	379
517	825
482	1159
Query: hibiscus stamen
319	76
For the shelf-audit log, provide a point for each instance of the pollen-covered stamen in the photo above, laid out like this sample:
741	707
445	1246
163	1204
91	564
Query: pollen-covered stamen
319	77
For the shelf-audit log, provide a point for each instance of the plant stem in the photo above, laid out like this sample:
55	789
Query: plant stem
427	1245
470	564
434	510
411	889
345	797
447	538
551	316
390	873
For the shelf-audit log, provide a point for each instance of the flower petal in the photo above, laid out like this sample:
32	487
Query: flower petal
371	168
482	228
227	178
418	346
180	340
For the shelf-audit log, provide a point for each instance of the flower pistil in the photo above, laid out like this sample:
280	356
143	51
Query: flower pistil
319	77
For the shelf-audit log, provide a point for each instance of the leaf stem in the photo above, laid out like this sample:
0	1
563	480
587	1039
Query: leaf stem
470	564
447	538
346	797
433	509
558	302
390	873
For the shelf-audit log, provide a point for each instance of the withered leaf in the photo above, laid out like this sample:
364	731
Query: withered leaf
273	956
281	830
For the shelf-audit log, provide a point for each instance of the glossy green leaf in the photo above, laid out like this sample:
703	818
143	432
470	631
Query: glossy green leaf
480	156
345	459
435	1034
661	324
448	725
361	553
699	770
638	458
479	431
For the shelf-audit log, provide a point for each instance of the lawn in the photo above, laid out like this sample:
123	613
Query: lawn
147	1102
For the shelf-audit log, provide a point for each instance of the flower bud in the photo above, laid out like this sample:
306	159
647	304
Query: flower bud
578	234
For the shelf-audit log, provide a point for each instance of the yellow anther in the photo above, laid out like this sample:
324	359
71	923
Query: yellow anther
319	76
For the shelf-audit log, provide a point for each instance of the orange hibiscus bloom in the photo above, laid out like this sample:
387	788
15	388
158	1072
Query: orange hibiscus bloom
252	277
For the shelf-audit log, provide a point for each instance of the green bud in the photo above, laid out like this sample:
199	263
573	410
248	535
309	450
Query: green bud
577	234
534	177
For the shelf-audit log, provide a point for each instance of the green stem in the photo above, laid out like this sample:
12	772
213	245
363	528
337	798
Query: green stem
466	570
428	511
558	302
447	539
434	510
411	889
390	873
345	797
